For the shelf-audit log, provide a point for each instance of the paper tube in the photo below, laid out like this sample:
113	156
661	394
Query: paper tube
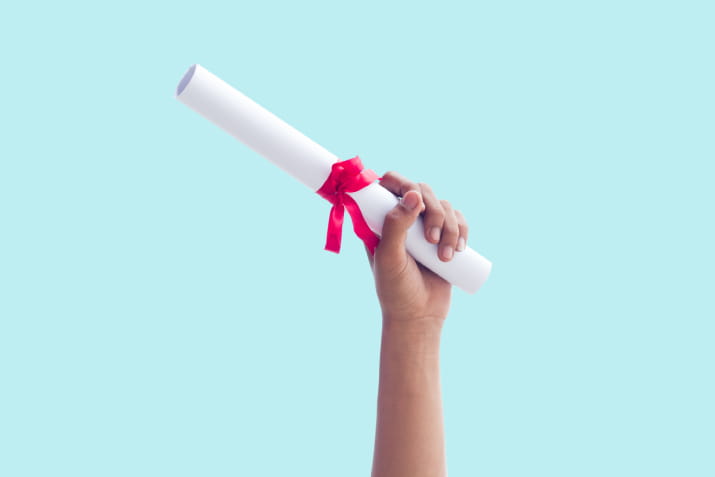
310	163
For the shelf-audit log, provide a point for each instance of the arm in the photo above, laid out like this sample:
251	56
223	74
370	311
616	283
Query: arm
409	437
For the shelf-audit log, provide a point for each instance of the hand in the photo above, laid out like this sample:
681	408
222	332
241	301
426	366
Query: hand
406	289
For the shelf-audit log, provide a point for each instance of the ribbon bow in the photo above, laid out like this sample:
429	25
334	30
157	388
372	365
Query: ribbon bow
347	176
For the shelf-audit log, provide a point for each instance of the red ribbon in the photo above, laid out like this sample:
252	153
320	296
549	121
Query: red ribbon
347	176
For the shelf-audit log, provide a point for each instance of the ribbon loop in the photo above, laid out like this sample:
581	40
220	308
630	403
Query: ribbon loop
347	176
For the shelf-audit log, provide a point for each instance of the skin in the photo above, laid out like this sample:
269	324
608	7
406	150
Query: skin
409	437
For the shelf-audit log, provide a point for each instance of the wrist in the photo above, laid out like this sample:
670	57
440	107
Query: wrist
409	357
407	323
412	334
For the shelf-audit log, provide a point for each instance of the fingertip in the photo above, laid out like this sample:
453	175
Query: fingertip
412	200
415	193
433	234
446	253
461	244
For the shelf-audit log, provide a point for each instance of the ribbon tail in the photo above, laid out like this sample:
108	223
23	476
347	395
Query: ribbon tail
362	230
334	237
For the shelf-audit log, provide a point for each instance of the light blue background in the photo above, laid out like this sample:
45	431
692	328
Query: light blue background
166	307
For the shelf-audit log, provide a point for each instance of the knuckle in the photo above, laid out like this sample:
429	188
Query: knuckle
463	226
409	185
424	187
446	204
450	232
393	215
435	216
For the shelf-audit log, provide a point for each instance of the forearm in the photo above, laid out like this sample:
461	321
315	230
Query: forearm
409	439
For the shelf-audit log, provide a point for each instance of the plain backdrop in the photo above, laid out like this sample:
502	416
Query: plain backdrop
166	307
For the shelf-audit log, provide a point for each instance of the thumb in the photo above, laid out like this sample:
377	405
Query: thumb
397	221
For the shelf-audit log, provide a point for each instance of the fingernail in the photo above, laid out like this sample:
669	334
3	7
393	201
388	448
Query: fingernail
447	252
434	233
461	243
411	201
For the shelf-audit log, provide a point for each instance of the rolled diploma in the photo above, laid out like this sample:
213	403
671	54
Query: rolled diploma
310	163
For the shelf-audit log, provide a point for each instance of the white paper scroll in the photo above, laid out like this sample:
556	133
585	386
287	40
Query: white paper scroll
310	163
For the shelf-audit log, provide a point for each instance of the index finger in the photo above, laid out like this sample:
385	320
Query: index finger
398	184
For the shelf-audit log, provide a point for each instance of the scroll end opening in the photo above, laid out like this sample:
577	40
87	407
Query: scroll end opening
185	80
